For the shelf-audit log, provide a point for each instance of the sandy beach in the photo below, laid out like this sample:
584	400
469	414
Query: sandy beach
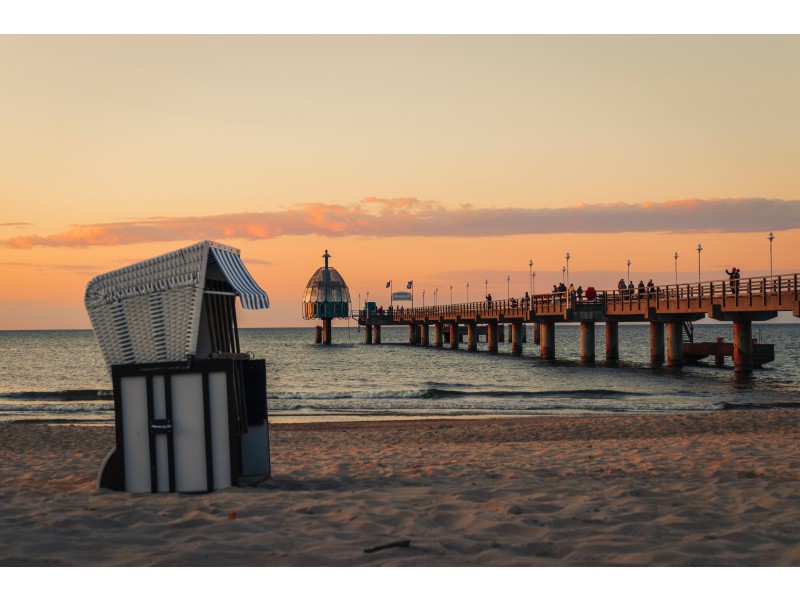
668	490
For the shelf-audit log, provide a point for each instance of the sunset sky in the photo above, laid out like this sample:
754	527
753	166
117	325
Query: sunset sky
442	159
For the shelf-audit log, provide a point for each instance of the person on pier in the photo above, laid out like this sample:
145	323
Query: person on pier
731	277
641	288
622	289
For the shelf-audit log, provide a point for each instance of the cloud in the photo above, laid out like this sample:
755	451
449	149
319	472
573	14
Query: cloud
49	267
15	224
409	217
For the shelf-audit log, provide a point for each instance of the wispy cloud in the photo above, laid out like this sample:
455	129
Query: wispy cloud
79	269
15	224
409	217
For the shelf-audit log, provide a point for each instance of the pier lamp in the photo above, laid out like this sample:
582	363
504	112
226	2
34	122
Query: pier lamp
699	250
675	256
530	275
486	287
468	292
436	297
629	269
508	287
770	238
423	298
451	293
567	268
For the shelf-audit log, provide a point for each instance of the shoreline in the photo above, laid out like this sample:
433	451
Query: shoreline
533	414
699	489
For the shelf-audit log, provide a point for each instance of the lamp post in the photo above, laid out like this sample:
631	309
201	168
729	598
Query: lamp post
486	288
699	250
770	238
530	275
468	292
451	293
423	298
676	267
567	268
563	277
629	269
436	297
508	286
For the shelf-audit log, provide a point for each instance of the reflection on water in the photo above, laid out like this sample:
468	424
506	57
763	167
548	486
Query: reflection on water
743	380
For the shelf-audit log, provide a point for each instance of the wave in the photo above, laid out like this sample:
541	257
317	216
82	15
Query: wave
438	393
758	405
60	396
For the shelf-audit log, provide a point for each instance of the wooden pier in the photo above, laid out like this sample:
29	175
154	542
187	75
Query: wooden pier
666	308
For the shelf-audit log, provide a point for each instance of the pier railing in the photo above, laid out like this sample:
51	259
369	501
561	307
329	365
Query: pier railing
751	294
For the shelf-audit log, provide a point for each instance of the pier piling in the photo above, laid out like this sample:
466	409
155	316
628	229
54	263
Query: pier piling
472	337
548	340
516	339
454	336
491	337
742	345
438	335
587	342
656	343
675	344
612	341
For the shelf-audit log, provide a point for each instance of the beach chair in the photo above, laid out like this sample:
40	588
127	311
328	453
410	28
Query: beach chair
190	407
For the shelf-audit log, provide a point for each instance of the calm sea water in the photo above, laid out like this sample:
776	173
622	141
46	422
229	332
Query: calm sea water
60	375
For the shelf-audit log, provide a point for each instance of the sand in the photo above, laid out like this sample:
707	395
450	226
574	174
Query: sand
664	490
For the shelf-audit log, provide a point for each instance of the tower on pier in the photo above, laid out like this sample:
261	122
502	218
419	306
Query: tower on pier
326	298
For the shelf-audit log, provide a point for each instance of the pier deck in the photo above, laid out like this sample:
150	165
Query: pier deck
738	301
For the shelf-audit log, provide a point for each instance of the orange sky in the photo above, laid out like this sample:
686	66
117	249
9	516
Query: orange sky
115	149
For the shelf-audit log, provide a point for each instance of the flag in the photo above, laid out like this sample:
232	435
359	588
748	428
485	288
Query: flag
388	283
410	285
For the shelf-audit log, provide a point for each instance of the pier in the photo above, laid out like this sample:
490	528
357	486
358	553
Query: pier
666	308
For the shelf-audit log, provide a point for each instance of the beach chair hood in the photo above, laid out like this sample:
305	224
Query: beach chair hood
150	311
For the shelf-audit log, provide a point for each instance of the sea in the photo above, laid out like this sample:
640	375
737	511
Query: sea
60	377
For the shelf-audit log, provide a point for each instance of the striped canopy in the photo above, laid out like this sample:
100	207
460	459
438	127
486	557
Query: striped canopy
249	292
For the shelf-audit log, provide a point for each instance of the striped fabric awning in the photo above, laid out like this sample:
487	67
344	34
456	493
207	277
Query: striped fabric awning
250	294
